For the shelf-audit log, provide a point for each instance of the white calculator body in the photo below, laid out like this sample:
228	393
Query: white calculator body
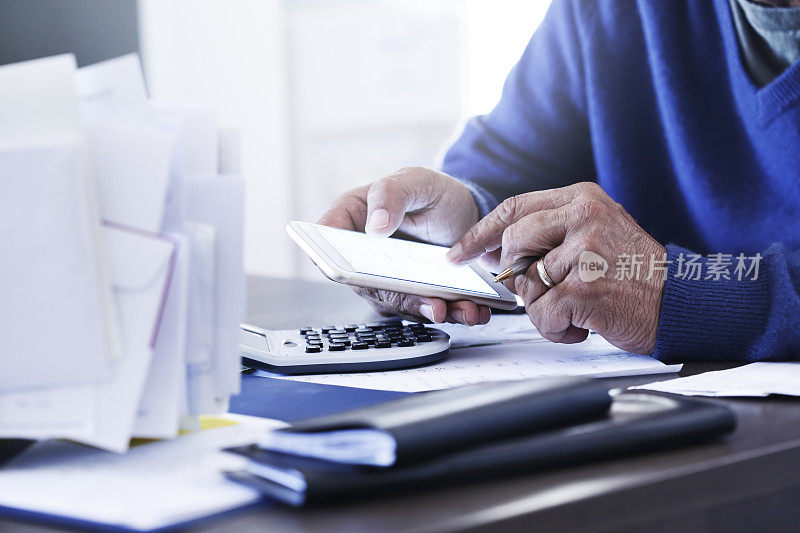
350	348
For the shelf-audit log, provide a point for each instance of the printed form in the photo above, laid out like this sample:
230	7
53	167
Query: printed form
508	348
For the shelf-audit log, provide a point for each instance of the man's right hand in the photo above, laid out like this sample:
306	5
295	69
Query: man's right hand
422	204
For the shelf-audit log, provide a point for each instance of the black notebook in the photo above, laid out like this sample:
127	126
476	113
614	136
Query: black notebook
636	422
433	423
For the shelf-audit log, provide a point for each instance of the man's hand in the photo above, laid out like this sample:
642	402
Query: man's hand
564	225
421	204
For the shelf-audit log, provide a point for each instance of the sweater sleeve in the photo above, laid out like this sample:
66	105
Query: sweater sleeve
537	137
755	318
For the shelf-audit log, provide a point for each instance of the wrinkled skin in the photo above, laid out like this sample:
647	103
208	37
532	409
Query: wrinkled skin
559	224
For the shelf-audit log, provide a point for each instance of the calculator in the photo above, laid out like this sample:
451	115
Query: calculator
334	349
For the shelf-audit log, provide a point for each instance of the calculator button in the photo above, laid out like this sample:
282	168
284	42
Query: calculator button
383	344
305	330
350	328
360	345
314	343
416	327
328	329
424	338
336	347
313	349
369	341
363	329
337	332
405	343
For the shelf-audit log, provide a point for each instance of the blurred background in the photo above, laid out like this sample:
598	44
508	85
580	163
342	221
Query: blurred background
328	94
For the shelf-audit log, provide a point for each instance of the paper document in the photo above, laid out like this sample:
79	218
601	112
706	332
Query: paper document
756	379
594	357
103	414
163	398
154	485
501	329
56	308
118	81
53	316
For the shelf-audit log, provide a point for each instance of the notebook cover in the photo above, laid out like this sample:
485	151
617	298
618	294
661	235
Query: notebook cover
430	424
637	422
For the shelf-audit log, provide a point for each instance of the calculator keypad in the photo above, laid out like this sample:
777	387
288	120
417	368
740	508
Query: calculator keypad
364	337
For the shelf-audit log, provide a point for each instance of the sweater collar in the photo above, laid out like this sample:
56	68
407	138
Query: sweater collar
774	98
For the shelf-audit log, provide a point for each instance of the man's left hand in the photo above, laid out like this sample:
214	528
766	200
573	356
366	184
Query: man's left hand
577	229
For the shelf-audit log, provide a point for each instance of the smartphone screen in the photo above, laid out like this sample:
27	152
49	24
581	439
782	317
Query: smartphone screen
403	260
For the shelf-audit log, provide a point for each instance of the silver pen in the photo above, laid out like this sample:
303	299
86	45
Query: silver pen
520	266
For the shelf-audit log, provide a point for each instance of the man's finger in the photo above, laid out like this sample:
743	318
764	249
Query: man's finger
348	212
390	198
487	234
534	235
407	306
552	316
558	263
464	312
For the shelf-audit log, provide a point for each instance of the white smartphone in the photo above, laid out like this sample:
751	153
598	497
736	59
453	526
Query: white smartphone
354	258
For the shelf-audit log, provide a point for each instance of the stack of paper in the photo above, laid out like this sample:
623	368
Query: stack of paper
121	233
155	485
756	379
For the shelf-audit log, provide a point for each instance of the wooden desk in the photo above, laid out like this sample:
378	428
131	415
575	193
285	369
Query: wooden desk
748	482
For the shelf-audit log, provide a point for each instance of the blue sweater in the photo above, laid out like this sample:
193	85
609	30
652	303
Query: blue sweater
651	100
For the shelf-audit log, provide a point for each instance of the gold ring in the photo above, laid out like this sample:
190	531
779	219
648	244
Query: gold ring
543	275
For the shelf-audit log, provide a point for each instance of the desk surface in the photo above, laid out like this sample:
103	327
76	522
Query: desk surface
746	482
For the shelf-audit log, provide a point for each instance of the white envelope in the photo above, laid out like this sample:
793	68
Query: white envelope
200	372
131	159
198	150
219	202
39	103
53	317
129	150
57	311
164	398
141	264
103	415
118	81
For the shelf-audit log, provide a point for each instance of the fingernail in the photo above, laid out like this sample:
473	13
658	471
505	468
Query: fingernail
460	316
379	219
454	252
426	310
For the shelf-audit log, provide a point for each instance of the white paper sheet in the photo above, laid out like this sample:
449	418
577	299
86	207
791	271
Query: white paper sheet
53	321
755	379
130	152
163	400
154	485
103	414
502	328
200	371
47	413
118	81
594	357
53	277
131	158
39	103
141	265
217	201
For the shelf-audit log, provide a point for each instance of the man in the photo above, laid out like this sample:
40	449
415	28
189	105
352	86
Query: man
661	136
